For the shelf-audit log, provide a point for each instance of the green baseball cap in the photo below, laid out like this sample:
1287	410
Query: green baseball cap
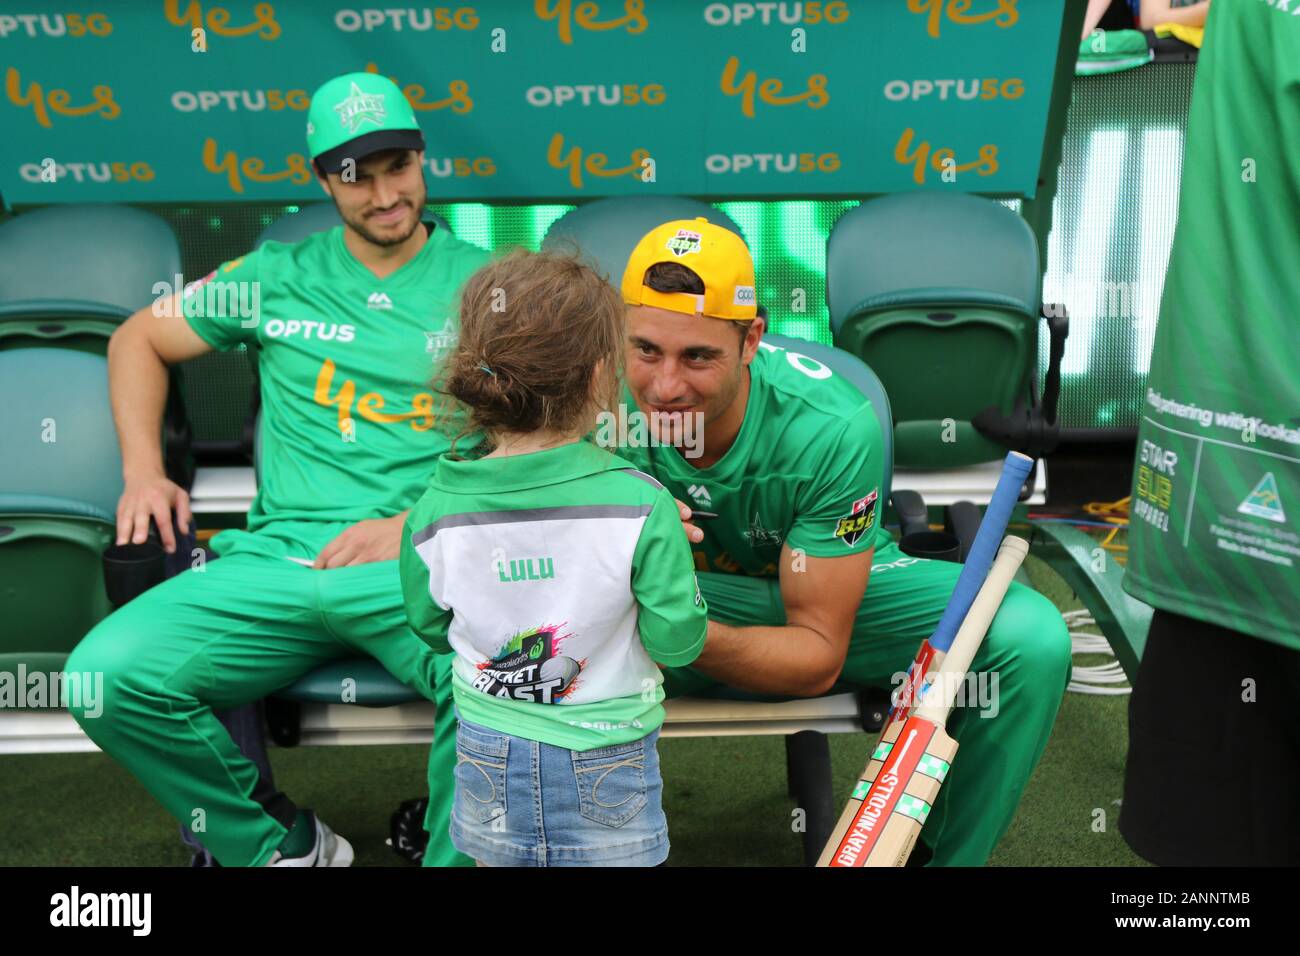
356	114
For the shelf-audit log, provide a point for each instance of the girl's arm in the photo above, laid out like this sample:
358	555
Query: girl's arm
429	619
673	617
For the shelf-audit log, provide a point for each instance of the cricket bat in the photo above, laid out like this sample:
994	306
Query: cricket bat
1015	469
893	797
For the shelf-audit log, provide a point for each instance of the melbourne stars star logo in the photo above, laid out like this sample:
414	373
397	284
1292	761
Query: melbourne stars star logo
360	107
441	341
758	536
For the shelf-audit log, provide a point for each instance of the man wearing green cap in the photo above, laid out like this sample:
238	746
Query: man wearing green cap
351	324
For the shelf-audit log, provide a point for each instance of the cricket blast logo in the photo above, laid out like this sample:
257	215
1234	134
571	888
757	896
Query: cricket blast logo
530	667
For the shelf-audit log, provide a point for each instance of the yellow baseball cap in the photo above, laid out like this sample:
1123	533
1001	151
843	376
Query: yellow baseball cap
717	255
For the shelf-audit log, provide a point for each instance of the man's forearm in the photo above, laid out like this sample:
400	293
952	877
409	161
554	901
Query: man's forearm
137	384
791	661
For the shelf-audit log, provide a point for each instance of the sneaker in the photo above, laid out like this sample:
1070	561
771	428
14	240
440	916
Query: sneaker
330	849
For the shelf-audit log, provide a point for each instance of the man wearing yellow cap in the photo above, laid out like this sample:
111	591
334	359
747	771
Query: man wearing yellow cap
791	464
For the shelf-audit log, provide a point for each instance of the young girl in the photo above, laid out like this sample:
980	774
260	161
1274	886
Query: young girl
558	575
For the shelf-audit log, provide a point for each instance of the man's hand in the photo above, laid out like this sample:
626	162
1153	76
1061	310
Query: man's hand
693	533
804	657
377	539
139	353
152	496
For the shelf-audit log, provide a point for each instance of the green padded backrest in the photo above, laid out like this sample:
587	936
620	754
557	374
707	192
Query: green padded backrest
59	485
372	685
939	293
57	440
930	249
607	230
84	335
942	368
312	218
860	375
69	261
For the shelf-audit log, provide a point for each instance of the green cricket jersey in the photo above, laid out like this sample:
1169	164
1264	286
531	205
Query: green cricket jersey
345	361
558	578
805	470
1216	486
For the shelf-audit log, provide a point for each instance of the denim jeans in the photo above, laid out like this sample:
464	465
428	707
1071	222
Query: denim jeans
521	802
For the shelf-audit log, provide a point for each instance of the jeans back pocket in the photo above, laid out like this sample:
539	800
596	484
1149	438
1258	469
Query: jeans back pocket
611	782
481	758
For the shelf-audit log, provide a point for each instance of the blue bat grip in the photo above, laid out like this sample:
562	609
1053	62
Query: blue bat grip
992	529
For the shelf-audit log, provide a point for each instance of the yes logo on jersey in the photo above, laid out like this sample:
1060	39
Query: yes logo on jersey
858	521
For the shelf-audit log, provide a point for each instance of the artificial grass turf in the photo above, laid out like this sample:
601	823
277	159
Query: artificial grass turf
725	796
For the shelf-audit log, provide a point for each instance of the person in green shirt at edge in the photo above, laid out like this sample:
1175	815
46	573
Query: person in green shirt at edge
1213	770
558	574
350	324
806	588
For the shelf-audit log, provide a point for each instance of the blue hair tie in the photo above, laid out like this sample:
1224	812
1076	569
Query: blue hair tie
488	370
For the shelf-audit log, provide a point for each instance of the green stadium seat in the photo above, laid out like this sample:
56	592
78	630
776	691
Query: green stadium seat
1122	618
939	292
120	256
606	230
58	498
373	685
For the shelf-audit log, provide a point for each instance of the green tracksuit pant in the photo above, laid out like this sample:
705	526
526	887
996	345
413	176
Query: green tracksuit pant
246	625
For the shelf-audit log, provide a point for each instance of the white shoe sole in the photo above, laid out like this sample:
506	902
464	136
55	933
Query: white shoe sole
336	850
343	854
331	850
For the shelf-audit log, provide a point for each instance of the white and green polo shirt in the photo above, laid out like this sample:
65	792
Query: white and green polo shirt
559	579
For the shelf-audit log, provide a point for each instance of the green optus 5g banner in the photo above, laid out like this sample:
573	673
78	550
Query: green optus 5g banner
205	100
